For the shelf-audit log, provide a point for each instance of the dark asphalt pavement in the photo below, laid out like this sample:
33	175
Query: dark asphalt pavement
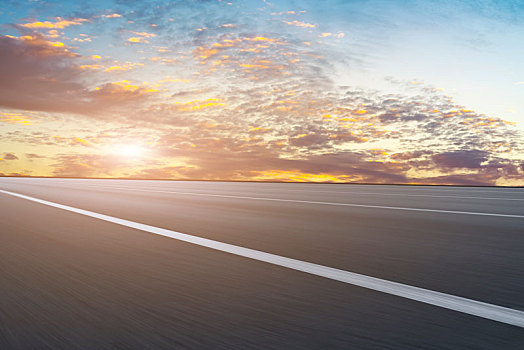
72	282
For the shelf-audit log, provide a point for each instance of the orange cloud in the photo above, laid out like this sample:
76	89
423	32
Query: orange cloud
59	24
44	47
79	141
198	104
53	33
91	66
173	80
82	40
124	85
300	24
144	34
163	60
337	35
203	53
124	67
137	39
14	118
260	64
297	176
259	130
261	38
72	141
242	44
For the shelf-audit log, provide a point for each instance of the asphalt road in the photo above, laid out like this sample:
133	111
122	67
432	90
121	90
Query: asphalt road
70	281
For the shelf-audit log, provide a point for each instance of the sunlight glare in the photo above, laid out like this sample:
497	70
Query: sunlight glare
130	151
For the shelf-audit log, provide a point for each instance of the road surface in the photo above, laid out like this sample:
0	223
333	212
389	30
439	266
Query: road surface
442	267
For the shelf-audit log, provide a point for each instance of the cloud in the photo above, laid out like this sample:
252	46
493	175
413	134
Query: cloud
300	24
80	166
43	77
112	15
249	136
123	67
91	66
137	40
9	156
298	132
59	23
86	165
144	34
168	172
37	75
326	34
14	118
14	174
34	156
457	180
38	45
96	165
121	92
469	159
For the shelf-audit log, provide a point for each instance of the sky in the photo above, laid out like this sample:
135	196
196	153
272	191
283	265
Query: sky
369	91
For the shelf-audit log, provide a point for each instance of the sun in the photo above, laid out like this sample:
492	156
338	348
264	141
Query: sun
130	151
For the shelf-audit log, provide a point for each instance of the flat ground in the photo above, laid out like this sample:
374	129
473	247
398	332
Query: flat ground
70	281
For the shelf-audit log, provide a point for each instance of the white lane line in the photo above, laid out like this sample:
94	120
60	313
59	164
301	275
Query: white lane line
308	202
85	182
360	193
409	195
447	301
315	202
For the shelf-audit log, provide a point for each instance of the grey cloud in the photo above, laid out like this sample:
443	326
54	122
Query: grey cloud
469	159
34	156
42	77
10	156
